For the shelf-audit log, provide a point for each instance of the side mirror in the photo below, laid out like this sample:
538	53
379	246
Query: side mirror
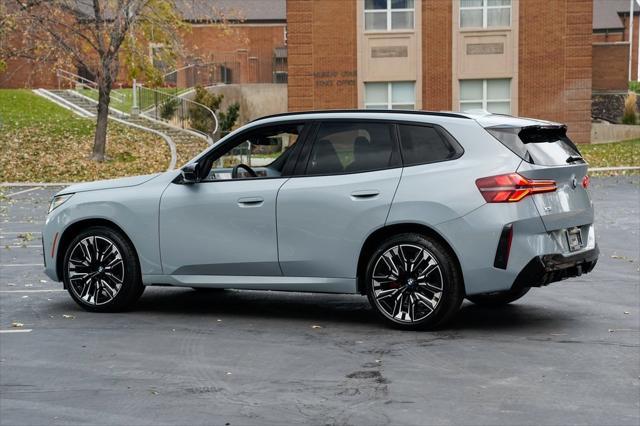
191	173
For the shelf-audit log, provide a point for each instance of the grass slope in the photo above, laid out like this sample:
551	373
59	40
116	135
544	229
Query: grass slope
42	142
612	154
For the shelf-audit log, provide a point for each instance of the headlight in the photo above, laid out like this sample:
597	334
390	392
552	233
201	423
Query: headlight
58	201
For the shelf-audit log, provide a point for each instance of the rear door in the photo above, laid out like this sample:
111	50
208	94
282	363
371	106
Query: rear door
549	154
346	180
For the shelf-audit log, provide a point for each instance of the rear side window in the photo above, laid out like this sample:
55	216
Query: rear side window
349	147
426	144
546	146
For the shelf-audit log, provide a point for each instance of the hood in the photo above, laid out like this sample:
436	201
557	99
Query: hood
108	184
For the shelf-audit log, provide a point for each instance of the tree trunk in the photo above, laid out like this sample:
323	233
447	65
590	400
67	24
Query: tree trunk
104	97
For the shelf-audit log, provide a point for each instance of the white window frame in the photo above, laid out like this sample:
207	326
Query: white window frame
390	103
484	101
485	9
389	11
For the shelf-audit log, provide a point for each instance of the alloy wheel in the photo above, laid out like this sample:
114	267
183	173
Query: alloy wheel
407	283
95	270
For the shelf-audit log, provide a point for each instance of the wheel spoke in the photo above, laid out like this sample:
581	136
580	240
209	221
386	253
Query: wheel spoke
383	294
391	264
429	268
111	276
430	287
109	289
429	303
397	304
412	307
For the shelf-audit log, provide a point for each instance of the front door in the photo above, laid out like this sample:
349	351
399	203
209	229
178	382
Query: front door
225	225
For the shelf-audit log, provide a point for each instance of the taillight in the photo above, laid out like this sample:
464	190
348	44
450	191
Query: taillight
512	187
586	181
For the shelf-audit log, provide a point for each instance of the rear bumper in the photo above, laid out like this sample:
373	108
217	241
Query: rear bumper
548	268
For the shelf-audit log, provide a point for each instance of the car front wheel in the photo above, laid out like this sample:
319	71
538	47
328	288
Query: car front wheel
413	283
101	270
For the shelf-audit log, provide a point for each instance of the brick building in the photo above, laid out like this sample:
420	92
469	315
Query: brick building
527	58
250	49
611	45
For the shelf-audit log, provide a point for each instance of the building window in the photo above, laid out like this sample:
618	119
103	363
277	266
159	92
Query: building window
396	95
485	13
388	15
489	95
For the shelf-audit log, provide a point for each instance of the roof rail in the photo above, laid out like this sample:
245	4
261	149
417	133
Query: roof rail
387	111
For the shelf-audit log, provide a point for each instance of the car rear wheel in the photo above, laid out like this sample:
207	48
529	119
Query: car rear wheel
499	298
413	283
101	270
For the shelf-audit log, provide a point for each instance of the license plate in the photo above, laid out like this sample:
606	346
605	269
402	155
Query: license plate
574	238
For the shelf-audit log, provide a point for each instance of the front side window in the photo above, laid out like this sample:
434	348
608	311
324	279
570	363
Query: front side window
426	144
392	95
485	13
255	154
388	15
492	95
347	147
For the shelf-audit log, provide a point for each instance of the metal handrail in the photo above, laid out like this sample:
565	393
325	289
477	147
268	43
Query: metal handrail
168	96
90	84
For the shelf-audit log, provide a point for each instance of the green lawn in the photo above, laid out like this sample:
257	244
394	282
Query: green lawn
42	142
625	153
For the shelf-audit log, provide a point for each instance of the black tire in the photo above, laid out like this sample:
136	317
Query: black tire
448	297
127	271
499	298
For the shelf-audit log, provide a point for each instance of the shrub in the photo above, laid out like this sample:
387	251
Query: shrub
228	119
630	114
168	108
634	86
200	118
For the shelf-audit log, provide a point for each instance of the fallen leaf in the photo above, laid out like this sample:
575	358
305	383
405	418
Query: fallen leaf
17	324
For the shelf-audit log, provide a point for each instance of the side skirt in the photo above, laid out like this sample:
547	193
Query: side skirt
302	284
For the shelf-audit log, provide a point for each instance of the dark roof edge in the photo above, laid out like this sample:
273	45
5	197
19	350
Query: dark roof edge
360	111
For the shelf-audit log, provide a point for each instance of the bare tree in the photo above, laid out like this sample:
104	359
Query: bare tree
99	36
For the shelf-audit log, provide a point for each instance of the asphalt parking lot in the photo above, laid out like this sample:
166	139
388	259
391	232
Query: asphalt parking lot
565	354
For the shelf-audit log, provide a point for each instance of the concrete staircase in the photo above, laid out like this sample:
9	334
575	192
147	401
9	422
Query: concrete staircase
176	134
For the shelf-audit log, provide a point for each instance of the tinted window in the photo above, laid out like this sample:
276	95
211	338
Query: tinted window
422	144
548	146
347	147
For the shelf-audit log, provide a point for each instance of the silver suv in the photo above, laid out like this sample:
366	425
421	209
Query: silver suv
416	210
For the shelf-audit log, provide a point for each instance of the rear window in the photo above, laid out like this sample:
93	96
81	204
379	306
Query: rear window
426	144
547	146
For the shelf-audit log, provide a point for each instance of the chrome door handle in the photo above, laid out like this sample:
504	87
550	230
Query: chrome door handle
250	201
365	194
